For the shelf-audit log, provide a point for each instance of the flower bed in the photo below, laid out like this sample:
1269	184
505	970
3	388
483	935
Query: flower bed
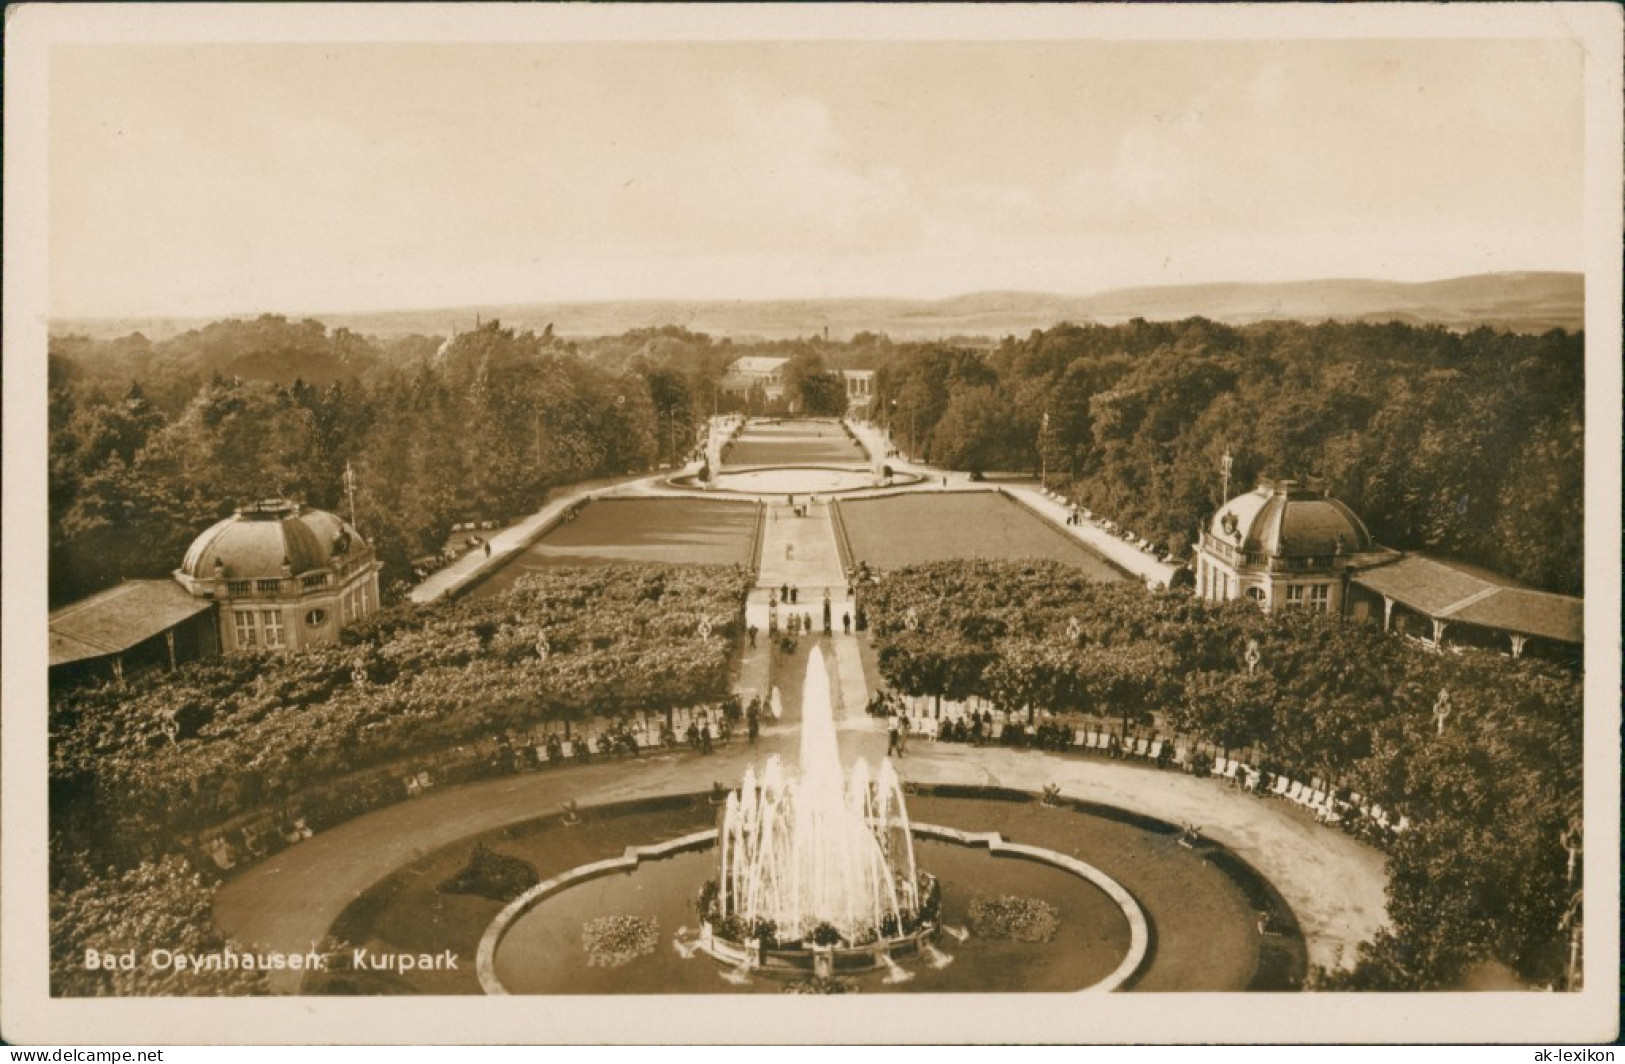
611	941
1013	918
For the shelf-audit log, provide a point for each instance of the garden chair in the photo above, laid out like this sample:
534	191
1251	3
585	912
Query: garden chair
1295	792
1156	750
1403	825
1281	783
413	787
425	780
1141	745
1081	737
1182	754
1315	800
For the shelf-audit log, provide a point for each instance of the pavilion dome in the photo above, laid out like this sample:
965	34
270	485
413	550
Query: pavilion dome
1286	518
260	539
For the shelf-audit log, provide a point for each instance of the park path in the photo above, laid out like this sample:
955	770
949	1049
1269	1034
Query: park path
1335	886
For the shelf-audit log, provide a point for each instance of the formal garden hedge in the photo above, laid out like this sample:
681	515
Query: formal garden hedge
172	753
1491	795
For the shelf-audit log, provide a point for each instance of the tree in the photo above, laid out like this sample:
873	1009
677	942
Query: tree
155	906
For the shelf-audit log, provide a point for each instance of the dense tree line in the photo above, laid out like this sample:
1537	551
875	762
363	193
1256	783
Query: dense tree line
1483	872
158	905
139	771
151	443
1469	445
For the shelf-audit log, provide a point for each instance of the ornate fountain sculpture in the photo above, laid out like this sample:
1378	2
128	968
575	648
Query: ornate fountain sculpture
816	868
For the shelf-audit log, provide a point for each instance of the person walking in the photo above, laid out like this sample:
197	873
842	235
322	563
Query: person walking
846	623
902	736
892	744
705	738
751	631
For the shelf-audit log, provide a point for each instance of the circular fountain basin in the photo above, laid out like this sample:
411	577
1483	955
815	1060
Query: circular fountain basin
534	945
795	480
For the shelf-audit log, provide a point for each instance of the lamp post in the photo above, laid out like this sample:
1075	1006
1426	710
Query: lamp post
1043	451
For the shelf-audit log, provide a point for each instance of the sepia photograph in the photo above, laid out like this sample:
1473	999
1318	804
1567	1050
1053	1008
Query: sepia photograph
599	524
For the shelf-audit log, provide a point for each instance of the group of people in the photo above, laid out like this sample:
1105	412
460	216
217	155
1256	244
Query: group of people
699	733
796	624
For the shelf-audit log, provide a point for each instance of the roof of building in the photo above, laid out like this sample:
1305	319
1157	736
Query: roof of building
115	620
757	364
1449	591
1287	519
258	539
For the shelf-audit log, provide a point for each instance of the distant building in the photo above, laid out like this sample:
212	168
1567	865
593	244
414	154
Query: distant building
283	576
756	371
860	390
1284	544
274	576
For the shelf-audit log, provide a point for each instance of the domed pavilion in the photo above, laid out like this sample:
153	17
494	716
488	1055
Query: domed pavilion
284	576
1284	543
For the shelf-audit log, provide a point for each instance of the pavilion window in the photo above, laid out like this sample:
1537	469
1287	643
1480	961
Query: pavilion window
247	630
273	628
1320	597
239	587
269	587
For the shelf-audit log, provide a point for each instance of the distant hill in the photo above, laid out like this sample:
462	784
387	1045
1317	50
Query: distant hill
1518	302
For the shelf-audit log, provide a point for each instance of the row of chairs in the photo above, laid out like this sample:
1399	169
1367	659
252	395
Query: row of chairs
1314	796
1143	748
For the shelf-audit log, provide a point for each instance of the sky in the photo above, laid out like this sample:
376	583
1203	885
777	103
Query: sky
296	178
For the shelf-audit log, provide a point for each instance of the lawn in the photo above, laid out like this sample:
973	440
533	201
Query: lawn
610	531
907	529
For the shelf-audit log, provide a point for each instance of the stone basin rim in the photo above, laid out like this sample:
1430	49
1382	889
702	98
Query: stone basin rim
1133	960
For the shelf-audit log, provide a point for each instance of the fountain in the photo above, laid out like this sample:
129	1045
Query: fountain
816	868
810	875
